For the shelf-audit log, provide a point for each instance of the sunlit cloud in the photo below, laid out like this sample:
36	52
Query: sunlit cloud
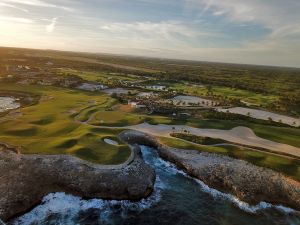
50	28
16	19
255	31
2	4
39	3
164	29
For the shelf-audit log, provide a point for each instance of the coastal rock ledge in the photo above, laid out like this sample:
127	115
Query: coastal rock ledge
248	182
26	179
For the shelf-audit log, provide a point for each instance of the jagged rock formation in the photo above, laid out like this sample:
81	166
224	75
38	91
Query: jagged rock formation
248	182
26	179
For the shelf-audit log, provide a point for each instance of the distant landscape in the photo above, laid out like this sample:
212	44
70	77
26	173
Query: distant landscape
67	103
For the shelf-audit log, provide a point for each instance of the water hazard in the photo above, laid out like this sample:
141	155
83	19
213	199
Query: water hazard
177	199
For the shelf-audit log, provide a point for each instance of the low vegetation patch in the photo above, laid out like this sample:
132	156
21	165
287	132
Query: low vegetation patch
198	139
288	166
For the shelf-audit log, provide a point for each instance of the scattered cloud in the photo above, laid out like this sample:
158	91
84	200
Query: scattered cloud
256	31
50	28
2	4
273	15
165	30
16	19
39	3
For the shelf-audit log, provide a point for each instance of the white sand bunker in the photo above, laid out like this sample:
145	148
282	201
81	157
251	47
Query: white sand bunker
264	115
186	100
110	141
8	103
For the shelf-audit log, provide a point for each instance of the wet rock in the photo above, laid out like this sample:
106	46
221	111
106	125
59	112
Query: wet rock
26	179
248	182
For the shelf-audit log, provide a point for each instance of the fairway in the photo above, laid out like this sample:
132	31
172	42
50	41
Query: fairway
49	127
230	93
64	119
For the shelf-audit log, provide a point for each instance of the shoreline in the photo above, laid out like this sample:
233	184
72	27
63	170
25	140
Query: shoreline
26	179
134	179
249	183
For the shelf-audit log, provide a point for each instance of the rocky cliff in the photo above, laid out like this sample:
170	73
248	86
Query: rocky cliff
248	182
26	179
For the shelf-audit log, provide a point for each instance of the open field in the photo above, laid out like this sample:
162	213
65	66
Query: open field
230	93
287	166
97	76
49	127
94	61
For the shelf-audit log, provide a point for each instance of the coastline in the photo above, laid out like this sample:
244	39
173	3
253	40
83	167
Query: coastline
26	179
249	183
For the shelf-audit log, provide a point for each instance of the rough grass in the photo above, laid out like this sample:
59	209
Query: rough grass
289	167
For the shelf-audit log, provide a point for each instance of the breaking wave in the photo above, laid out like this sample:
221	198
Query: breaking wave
67	209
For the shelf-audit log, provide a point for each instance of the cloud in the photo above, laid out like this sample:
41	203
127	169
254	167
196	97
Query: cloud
39	3
255	31
16	19
274	15
2	4
50	28
163	29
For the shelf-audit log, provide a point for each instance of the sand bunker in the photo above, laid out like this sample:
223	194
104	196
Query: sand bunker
110	142
263	115
186	100
8	103
239	135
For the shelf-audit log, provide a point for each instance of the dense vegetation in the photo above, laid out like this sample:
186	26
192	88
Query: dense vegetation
281	84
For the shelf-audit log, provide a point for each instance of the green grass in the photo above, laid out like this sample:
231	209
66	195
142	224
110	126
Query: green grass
248	96
286	135
49	127
97	76
287	166
198	139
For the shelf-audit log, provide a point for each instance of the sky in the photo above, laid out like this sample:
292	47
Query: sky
264	32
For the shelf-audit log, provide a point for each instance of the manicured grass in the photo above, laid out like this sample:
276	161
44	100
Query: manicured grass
197	139
116	119
286	135
251	97
287	166
49	127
